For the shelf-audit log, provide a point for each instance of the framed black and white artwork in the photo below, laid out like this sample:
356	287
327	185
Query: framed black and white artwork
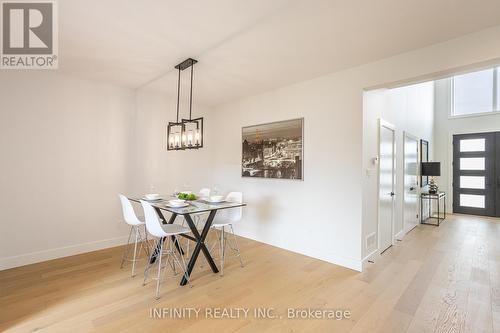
273	150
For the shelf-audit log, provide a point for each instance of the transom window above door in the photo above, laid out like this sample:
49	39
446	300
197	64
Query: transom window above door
476	93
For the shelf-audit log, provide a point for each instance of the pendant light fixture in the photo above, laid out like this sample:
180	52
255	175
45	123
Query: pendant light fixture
188	133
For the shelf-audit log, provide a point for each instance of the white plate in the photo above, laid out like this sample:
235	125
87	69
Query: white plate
157	199
177	206
218	201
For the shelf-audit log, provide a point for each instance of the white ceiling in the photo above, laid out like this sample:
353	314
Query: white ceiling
245	47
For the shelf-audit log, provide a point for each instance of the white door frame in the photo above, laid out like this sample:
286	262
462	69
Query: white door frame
414	137
387	125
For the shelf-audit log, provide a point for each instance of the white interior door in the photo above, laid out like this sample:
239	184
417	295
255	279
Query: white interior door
410	204
387	168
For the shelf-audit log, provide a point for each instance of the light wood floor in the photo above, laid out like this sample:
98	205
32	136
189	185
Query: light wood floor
444	279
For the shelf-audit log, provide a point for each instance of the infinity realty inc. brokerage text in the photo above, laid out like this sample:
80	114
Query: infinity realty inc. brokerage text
243	313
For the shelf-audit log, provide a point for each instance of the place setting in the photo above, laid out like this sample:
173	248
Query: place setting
152	197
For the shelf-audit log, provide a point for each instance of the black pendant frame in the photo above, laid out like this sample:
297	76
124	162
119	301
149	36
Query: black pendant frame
199	128
184	139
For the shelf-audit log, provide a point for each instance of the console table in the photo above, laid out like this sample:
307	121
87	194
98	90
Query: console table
438	197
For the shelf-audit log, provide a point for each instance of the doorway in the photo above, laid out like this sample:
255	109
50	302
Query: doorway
476	174
387	183
411	174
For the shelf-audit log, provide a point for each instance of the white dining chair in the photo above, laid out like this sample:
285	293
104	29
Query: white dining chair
225	219
137	231
197	217
204	193
163	233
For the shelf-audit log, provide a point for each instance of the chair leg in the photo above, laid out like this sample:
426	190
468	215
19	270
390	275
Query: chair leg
160	254
127	247
171	250
146	270
136	229
236	247
145	241
184	266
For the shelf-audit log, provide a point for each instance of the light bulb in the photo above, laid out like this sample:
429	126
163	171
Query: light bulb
171	140
197	137
177	139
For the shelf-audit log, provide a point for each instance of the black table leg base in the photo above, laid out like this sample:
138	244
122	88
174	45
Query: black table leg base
200	245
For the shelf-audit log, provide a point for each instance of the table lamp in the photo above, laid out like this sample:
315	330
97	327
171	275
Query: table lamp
432	169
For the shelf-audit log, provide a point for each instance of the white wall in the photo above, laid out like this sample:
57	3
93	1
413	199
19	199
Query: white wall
64	147
445	127
410	109
61	135
152	163
322	216
319	216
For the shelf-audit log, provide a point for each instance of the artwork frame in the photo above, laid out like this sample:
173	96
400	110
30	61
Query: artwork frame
273	150
424	157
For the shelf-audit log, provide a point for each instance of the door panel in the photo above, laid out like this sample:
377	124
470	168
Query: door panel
474	159
386	187
410	182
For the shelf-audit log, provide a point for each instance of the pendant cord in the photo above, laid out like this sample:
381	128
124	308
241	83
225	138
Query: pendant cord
191	92
178	93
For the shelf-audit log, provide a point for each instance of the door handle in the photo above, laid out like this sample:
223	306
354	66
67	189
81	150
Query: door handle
411	188
391	194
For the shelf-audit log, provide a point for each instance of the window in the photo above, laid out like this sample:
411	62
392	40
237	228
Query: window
469	145
476	92
472	200
474	182
472	163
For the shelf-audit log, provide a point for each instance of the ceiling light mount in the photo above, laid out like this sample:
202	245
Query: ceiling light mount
186	64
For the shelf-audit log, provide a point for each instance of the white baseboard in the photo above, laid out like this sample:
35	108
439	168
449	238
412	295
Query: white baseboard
400	235
350	263
372	256
39	256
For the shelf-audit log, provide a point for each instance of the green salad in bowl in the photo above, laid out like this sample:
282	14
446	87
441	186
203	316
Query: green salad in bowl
186	196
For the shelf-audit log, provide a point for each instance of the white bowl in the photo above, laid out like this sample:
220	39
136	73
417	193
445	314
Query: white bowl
152	196
176	202
216	198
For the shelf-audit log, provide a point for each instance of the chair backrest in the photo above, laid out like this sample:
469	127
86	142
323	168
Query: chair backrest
153	224
233	214
128	211
204	193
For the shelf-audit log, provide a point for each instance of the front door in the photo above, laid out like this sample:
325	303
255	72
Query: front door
410	206
476	174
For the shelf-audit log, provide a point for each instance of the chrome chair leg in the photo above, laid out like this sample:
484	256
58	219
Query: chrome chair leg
183	266
136	229
236	248
149	265
171	251
168	249
160	254
127	247
144	241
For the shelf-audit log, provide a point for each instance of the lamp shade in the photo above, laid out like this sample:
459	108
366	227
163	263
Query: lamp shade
431	168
